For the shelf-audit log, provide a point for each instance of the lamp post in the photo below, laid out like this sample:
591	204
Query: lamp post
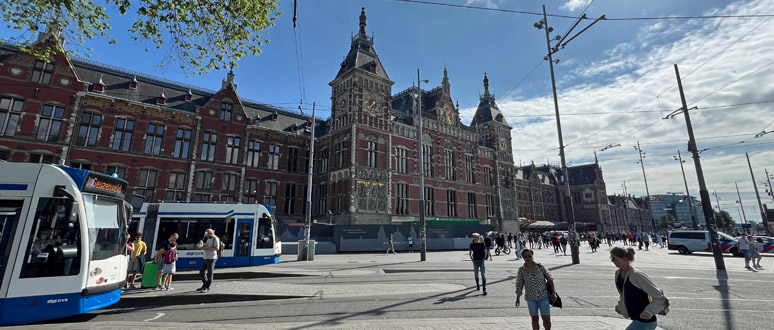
543	25
741	206
757	195
687	192
647	191
422	225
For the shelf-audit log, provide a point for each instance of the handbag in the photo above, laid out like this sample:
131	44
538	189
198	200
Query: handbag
556	302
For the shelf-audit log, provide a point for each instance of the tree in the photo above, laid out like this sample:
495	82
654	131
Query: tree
200	35
666	221
723	220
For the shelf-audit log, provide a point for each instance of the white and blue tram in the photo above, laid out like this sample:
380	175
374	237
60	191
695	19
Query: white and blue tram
247	230
62	241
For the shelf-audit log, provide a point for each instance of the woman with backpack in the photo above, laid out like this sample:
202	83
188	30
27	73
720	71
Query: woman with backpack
639	299
170	258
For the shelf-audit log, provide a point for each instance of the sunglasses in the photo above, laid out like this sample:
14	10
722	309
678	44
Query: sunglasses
527	256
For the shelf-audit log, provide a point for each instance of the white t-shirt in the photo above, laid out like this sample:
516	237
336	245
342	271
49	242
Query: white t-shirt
744	244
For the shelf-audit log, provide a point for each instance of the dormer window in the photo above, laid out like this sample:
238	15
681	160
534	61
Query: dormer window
99	86
275	116
133	83
257	121
42	72
226	109
189	96
161	100
373	67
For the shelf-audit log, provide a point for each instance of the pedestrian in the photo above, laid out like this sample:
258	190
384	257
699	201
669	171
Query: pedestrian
660	240
478	253
210	247
411	243
391	246
488	243
170	258
646	239
510	240
135	262
755	250
532	278
159	259
744	245
563	241
639	299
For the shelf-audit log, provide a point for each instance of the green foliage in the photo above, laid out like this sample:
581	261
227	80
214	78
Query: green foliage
723	220
200	35
666	221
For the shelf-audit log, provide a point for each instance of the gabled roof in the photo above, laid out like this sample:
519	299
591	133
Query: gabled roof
362	54
583	174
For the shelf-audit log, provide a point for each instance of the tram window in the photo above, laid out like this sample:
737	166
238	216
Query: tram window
54	245
107	237
9	218
265	237
191	230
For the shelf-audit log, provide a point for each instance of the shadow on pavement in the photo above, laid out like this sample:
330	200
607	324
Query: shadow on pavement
722	287
191	298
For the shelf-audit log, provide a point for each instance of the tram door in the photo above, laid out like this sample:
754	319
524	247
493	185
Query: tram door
9	217
243	241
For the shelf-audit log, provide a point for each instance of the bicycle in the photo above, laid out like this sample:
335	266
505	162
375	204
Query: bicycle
504	249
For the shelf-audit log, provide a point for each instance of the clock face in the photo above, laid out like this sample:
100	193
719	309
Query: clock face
371	103
503	144
342	104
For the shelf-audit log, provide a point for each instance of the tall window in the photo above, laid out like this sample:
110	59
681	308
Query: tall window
42	72
251	191
203	180
472	208
225	111
153	139
10	112
429	201
470	169
209	141
451	203
175	187
121	171
371	154
253	153
341	152
274	155
450	163
292	159
146	184
490	206
401	160
232	149
123	138
290	198
427	160
488	179
270	195
50	123
402	199
230	181
182	143
322	199
89	129
323	167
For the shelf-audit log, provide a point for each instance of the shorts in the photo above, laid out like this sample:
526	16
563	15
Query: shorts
543	305
168	268
747	254
134	265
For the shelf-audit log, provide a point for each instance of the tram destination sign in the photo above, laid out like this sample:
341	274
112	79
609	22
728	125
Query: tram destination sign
103	184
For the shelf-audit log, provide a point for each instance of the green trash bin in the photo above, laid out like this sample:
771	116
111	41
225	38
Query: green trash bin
149	275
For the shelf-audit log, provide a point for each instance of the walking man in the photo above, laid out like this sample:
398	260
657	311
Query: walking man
744	245
210	247
391	246
478	254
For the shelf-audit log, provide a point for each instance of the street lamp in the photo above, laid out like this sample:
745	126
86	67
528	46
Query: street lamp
543	25
687	192
741	206
647	191
422	225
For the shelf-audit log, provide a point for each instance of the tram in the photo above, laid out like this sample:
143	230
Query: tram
247	231
62	241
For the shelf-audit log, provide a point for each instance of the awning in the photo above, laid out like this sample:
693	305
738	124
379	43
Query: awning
541	224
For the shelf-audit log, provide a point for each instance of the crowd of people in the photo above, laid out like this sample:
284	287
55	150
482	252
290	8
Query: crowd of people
639	298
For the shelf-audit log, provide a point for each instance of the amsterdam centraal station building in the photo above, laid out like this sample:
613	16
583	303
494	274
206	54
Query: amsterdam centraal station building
174	142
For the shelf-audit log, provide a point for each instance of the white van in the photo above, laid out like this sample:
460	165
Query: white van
687	241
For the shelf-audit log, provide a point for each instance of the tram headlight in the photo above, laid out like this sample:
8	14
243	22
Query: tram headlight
96	271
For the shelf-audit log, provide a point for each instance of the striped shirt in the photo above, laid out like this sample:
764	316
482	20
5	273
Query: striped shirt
535	283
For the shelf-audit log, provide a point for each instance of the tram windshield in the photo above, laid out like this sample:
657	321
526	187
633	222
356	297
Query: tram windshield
106	220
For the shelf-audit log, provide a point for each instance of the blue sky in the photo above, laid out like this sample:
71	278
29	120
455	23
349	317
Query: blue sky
616	66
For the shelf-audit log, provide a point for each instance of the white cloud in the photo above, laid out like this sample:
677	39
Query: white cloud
483	3
639	74
572	5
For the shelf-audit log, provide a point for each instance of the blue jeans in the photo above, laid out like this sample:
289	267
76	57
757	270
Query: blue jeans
639	325
542	305
479	264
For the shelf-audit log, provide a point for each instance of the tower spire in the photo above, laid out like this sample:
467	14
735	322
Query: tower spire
486	85
362	21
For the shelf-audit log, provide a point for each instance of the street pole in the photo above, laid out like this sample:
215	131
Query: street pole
757	195
705	199
422	225
308	222
647	191
741	206
687	192
770	190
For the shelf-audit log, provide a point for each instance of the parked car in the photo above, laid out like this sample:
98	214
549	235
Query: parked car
767	243
688	241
